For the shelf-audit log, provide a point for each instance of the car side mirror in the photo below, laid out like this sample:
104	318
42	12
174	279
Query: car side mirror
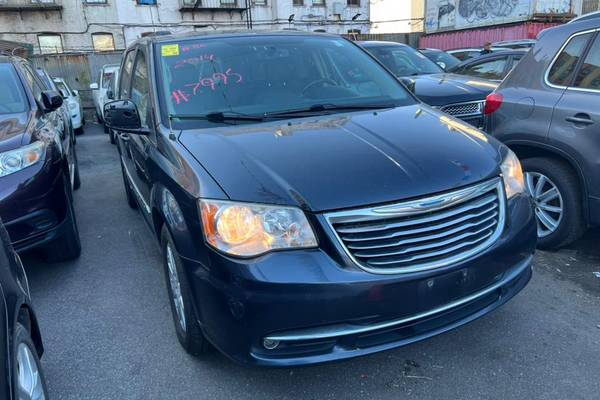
51	100
63	94
94	86
408	84
123	115
110	94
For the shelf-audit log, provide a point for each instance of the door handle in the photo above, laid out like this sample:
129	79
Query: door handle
582	119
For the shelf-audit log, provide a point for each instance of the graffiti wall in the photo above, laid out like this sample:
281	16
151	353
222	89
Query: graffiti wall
461	14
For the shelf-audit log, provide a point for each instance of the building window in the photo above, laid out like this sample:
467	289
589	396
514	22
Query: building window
50	43
298	2
147	2
318	2
103	41
259	2
354	3
95	1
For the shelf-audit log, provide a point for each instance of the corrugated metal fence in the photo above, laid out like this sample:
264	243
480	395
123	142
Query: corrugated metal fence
79	70
411	39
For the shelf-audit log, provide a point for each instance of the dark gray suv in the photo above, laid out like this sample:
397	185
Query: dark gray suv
548	111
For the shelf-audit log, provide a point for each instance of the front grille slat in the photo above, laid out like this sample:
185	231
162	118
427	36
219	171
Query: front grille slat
464	109
425	233
426	228
428	238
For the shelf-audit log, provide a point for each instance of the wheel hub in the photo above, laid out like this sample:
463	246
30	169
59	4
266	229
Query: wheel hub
549	206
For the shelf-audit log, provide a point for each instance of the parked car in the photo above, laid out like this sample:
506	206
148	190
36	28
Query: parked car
441	58
468	53
459	96
100	89
73	103
590	15
547	112
494	66
38	164
21	372
308	207
516	44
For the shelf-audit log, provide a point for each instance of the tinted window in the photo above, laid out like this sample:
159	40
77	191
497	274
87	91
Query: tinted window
441	57
493	69
140	87
34	83
126	75
563	68
256	75
107	76
588	76
45	79
404	60
63	88
12	96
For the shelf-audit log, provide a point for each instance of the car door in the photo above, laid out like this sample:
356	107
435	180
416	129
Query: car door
576	120
135	148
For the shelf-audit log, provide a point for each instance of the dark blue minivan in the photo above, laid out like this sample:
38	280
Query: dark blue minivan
309	208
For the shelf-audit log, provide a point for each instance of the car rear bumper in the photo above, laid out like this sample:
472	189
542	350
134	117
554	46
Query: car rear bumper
317	308
33	205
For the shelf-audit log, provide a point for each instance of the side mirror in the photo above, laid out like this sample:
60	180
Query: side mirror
94	86
110	95
409	84
51	100
441	64
63	94
76	92
122	115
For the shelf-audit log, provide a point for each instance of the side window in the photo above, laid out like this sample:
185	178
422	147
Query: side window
561	72
588	76
33	83
493	69
140	87
125	81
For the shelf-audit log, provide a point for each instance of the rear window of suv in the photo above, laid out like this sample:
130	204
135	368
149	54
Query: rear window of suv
12	95
561	72
588	76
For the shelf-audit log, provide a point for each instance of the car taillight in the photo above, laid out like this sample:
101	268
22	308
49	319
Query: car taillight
492	103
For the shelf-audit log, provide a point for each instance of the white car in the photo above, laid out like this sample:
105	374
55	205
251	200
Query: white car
73	103
100	89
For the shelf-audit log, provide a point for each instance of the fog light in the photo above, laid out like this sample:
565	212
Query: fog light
270	344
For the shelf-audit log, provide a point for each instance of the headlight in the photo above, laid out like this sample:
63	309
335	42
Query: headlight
16	160
72	106
514	182
246	230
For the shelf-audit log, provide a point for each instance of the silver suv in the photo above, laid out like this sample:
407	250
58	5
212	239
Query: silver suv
548	111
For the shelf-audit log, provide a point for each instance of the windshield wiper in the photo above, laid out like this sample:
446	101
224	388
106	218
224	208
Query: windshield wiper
216	117
318	108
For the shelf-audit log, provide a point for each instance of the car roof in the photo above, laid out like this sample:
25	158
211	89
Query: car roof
226	33
379	43
585	17
518	41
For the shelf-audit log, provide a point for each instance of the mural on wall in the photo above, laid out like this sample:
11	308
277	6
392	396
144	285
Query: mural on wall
460	14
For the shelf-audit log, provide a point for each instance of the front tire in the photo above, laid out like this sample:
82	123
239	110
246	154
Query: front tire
28	377
187	327
555	189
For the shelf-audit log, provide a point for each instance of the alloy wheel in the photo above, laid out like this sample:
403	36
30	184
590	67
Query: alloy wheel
549	205
29	379
176	287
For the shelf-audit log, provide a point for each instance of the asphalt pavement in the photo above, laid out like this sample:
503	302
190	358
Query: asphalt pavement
108	330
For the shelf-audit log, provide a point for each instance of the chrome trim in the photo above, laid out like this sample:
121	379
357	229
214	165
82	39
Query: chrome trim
134	186
480	103
337	330
416	207
565	44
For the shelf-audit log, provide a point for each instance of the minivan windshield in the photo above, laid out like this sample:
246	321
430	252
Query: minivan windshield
12	96
404	60
262	75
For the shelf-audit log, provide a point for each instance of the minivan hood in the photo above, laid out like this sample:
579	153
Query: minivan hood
12	129
442	89
345	160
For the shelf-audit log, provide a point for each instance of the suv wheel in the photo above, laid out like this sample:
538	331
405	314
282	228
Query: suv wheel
29	382
557	196
187	327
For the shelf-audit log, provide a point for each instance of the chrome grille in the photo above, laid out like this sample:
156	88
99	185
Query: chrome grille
424	233
464	109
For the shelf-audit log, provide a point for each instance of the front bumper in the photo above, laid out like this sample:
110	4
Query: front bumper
33	204
318	307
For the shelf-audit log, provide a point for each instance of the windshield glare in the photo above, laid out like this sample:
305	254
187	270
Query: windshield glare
404	60
270	74
12	96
